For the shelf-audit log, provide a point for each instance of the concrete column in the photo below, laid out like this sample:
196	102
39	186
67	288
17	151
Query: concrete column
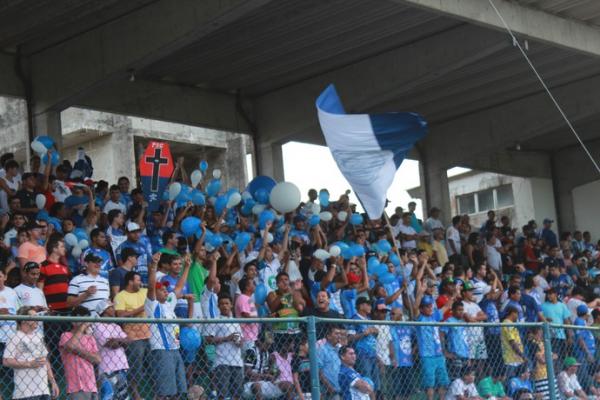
123	150
270	160
235	160
434	181
48	123
563	196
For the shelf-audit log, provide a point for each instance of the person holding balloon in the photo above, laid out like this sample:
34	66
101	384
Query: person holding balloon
10	183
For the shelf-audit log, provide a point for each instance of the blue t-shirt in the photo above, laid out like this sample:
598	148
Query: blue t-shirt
549	237
491	310
107	263
428	337
456	338
392	288
515	384
562	284
329	363
402	340
315	288
348	299
347	377
515	305
531	308
588	339
366	345
557	313
144	249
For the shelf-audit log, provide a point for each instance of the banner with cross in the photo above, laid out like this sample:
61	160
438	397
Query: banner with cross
156	168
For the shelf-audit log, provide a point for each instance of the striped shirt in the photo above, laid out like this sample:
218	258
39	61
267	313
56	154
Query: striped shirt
55	278
81	283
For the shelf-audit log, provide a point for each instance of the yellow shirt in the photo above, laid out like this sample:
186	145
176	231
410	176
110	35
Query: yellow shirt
507	335
125	301
440	252
539	370
426	247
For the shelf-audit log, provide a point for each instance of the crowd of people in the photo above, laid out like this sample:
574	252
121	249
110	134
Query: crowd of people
87	248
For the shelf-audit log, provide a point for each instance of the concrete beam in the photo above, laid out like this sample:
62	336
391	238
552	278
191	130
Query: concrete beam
10	84
525	164
180	104
528	22
496	128
284	113
63	73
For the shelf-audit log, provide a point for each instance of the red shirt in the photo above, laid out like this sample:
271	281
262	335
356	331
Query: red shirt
55	277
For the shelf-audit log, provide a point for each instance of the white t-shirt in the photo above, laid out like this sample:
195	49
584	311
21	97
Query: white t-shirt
226	353
494	259
268	274
31	296
572	305
9	300
29	382
83	282
568	384
14	185
382	348
481	289
432	223
111	205
452	234
162	335
459	388
408	230
61	191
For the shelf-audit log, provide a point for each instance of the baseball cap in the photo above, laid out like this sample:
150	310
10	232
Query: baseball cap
91	257
570	362
548	221
426	301
468	286
30	265
102	306
381	306
132	227
582	309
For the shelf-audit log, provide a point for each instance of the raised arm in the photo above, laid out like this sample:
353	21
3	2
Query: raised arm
152	277
187	262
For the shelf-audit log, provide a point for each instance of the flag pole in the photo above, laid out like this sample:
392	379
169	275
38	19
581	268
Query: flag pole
402	267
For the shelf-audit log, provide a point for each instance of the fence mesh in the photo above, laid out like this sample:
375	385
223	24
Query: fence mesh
226	358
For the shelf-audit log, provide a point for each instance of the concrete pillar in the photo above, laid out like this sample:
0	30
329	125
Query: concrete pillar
563	197
434	181
235	174
48	123
123	150
270	160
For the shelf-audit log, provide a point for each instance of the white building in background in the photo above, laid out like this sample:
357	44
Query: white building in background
521	199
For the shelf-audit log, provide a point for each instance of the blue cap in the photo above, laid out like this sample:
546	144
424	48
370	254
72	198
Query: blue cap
380	305
427	301
582	309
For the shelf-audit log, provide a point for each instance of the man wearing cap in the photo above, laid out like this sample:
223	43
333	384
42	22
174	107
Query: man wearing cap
547	234
32	250
88	289
364	338
116	278
585	346
434	374
141	247
98	248
568	384
111	340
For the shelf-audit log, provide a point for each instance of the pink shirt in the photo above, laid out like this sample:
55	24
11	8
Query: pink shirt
32	252
79	372
112	359
245	304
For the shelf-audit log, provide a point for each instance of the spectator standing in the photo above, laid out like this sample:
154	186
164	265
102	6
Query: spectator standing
116	278
475	337
453	246
520	382
26	354
88	289
364	339
352	384
329	363
32	250
28	292
513	351
116	234
246	308
455	339
54	276
585	347
98	248
547	234
301	372
286	302
9	304
141	247
557	313
114	201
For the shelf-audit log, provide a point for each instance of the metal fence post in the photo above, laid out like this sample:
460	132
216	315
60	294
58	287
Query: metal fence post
312	354
549	361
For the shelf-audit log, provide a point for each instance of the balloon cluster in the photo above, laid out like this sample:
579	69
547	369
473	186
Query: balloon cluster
41	145
77	241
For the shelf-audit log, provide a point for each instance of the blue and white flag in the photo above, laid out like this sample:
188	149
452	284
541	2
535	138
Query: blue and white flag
368	148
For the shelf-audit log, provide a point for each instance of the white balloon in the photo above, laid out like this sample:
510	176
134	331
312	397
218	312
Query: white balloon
83	244
285	197
76	252
321	254
342	216
246	196
316	208
326	216
234	200
217	174
196	177
71	239
269	238
38	147
40	201
335	251
258	208
174	190
212	200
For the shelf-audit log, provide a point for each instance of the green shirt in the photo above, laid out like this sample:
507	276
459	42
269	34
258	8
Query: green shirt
196	279
487	388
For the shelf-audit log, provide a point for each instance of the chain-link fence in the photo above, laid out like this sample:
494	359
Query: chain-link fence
303	358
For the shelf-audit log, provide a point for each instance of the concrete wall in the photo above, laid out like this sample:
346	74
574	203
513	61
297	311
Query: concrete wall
585	199
13	126
543	200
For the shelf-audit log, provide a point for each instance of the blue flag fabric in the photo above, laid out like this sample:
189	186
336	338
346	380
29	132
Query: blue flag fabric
368	148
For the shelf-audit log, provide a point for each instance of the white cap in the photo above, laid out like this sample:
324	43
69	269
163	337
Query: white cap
132	227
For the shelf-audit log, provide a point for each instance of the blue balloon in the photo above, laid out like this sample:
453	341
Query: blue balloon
262	196
380	270
165	196
347	253
47	141
42	215
260	294
190	339
81	234
56	222
372	263
54	161
220	204
356	219
357	250
394	260
264	217
261	182
203	166
185	194
384	246
190	225
324	198
213	187
215	241
386	278
198	198
342	245
242	240
314	220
